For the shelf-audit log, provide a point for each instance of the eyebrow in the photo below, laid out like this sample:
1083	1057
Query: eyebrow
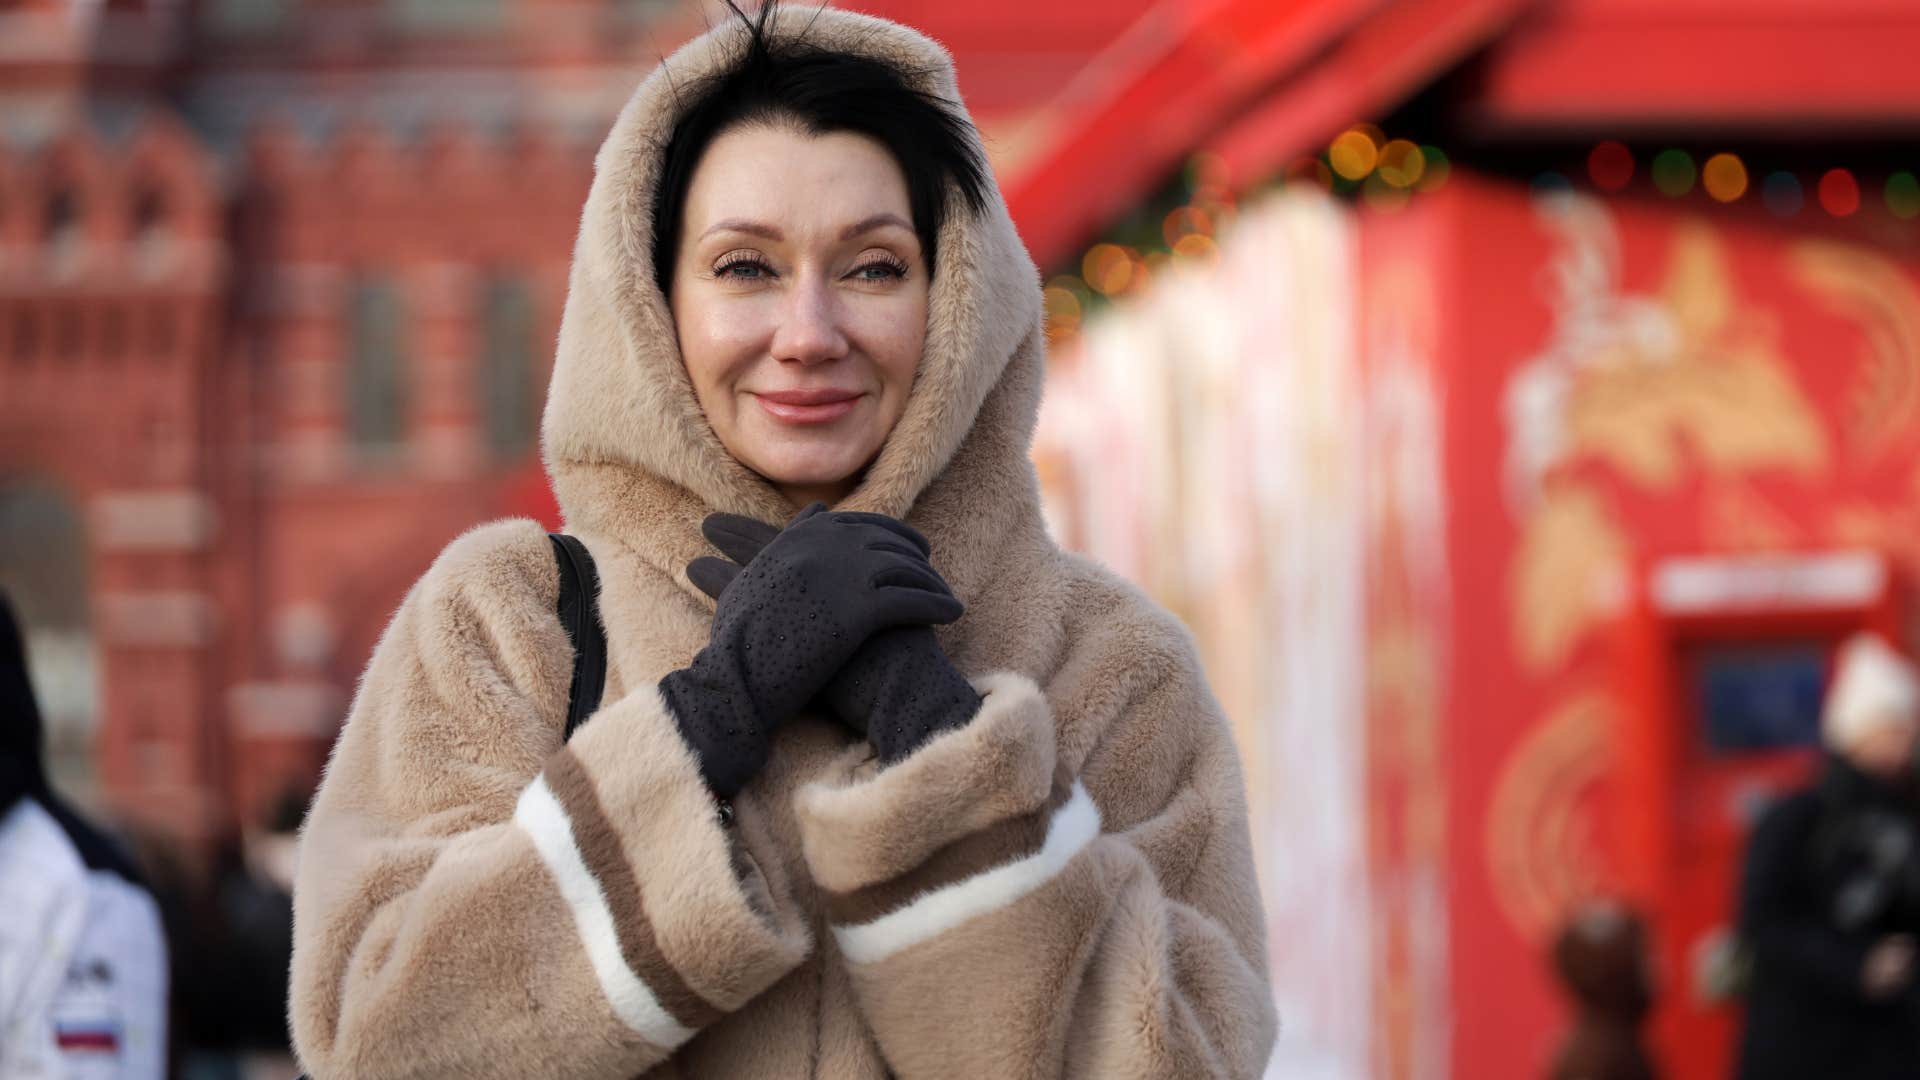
761	229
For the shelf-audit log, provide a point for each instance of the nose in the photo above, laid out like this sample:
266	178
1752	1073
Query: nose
809	331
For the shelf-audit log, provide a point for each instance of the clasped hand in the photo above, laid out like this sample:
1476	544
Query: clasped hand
835	609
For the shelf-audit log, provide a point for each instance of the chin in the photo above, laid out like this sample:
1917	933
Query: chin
809	466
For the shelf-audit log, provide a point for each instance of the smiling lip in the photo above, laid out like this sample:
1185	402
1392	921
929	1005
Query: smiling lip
808	406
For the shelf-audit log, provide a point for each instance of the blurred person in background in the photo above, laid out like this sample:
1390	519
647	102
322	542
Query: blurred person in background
1830	904
1601	958
83	959
806	833
231	988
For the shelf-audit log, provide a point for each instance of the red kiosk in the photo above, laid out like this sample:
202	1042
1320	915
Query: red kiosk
1676	426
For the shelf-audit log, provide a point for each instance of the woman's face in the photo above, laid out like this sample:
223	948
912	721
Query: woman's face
1887	752
800	300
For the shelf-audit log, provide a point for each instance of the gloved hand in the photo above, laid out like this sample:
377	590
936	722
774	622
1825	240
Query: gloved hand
789	621
898	689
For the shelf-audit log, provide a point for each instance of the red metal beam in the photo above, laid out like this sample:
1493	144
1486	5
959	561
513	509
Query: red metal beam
1259	82
1787	68
1154	97
1364	75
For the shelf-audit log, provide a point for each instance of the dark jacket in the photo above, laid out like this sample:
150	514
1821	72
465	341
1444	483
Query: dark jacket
1813	902
23	773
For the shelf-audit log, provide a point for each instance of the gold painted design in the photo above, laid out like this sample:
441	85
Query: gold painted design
1687	379
1722	389
1571	543
1883	402
1540	837
1735	518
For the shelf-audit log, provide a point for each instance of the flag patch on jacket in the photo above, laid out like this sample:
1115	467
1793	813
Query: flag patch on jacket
91	1035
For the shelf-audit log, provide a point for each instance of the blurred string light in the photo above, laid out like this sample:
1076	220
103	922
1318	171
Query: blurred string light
1839	193
1064	301
1107	269
1196	247
1354	154
1311	170
1185	221
1903	195
1147	268
1401	164
1386	173
1382	193
1673	172
1782	193
1610	165
1725	177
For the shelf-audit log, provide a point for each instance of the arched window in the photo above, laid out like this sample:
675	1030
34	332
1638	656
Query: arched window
376	365
60	225
507	391
152	230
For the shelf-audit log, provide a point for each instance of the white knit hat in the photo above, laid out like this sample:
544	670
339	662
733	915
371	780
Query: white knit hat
1873	687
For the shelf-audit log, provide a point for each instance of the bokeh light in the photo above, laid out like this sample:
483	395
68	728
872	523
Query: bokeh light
1401	164
1438	169
1725	177
1903	195
1108	269
1839	193
1140	276
1063	307
1673	172
1196	247
1353	154
1610	166
1782	193
1311	170
1186	221
1382	194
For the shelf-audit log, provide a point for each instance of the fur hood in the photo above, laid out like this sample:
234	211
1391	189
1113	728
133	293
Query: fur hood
626	443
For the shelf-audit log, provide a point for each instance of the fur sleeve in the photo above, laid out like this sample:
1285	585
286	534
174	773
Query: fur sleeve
1007	910
475	898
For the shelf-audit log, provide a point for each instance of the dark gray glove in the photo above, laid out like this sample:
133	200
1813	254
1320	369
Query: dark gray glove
898	689
789	621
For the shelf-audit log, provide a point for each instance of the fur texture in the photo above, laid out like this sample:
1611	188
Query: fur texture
1063	887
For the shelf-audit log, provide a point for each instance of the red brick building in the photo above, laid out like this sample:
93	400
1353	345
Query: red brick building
278	285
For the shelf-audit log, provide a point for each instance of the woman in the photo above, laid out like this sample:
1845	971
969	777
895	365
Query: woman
1830	893
808	834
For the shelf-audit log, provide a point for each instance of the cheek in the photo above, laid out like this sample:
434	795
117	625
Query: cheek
714	337
895	339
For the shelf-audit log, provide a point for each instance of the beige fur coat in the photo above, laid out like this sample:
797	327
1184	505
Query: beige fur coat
1063	887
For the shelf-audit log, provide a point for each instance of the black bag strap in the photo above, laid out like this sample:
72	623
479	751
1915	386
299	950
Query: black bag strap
579	611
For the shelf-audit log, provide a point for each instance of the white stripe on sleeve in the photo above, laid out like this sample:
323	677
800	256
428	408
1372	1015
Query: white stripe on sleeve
540	814
1073	827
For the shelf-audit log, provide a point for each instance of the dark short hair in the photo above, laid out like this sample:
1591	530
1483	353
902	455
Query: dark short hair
793	82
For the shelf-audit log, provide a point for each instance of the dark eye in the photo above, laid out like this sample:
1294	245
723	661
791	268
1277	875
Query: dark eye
881	270
743	268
